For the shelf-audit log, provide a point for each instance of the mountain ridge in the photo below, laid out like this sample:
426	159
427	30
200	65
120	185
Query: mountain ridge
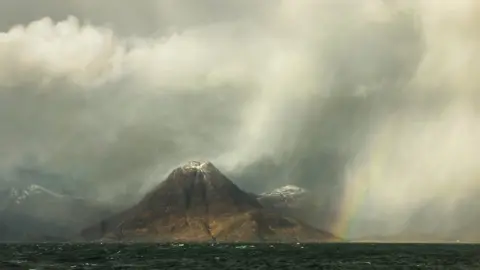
32	213
197	203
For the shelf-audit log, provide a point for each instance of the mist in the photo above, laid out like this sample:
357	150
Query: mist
370	99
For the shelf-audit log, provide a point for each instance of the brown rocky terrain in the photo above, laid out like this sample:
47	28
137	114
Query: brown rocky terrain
197	203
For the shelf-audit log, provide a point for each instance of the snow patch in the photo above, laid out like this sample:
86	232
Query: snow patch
203	167
286	191
19	195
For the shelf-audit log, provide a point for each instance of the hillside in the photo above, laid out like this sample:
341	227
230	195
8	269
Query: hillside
197	203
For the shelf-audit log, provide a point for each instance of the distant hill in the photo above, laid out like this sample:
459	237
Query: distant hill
34	213
297	202
197	203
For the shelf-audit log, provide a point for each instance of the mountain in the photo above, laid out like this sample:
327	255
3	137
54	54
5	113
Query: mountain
20	195
197	203
299	203
287	197
34	213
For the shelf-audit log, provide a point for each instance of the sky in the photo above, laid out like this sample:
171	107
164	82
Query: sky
370	104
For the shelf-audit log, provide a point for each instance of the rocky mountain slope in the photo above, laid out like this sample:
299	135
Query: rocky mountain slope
299	203
34	213
289	197
197	203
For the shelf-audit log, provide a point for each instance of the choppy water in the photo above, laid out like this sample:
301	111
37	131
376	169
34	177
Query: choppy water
231	257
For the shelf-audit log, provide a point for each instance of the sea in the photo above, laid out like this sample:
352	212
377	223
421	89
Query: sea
239	256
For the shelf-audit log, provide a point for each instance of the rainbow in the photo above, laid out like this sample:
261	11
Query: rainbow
358	183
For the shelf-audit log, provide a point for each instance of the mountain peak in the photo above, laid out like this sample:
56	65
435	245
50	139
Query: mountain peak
197	202
197	173
199	166
19	194
286	197
200	183
286	191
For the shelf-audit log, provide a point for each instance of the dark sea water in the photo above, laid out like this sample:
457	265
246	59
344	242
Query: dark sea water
231	257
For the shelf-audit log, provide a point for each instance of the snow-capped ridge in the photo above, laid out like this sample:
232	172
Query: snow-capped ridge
196	172
288	190
203	168
20	194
